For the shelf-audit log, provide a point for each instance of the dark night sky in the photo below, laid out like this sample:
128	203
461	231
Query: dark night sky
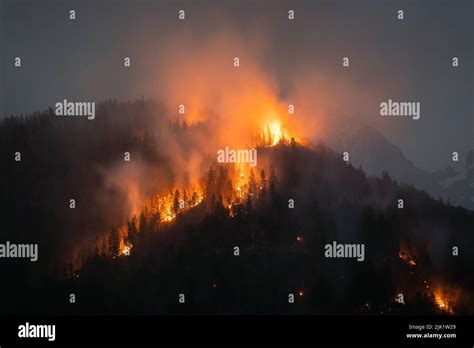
409	60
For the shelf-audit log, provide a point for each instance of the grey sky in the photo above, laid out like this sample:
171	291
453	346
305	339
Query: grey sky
408	60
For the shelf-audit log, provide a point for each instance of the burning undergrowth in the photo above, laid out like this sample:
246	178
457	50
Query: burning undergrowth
419	279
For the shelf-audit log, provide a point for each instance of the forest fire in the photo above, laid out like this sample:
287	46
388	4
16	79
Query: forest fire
158	209
232	190
168	206
445	299
235	167
443	296
231	186
441	302
273	134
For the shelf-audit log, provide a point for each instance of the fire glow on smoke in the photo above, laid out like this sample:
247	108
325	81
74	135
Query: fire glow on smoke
446	298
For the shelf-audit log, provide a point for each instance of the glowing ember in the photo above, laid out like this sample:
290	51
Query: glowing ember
407	257
301	293
299	238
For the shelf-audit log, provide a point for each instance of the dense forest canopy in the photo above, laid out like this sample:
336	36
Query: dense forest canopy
166	224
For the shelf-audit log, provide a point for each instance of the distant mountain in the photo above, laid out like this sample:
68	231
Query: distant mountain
458	183
369	149
444	174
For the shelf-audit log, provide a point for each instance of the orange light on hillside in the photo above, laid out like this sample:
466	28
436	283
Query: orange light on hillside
125	249
440	301
445	299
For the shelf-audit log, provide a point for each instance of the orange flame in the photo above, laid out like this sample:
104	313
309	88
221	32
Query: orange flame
407	256
168	205
445	299
273	133
125	249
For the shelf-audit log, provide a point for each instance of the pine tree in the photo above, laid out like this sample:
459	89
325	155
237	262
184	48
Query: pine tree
210	182
194	199
269	135
155	221
219	209
176	202
252	184
273	181
249	206
114	243
263	182
222	173
132	231
185	198
212	203
103	248
142	227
